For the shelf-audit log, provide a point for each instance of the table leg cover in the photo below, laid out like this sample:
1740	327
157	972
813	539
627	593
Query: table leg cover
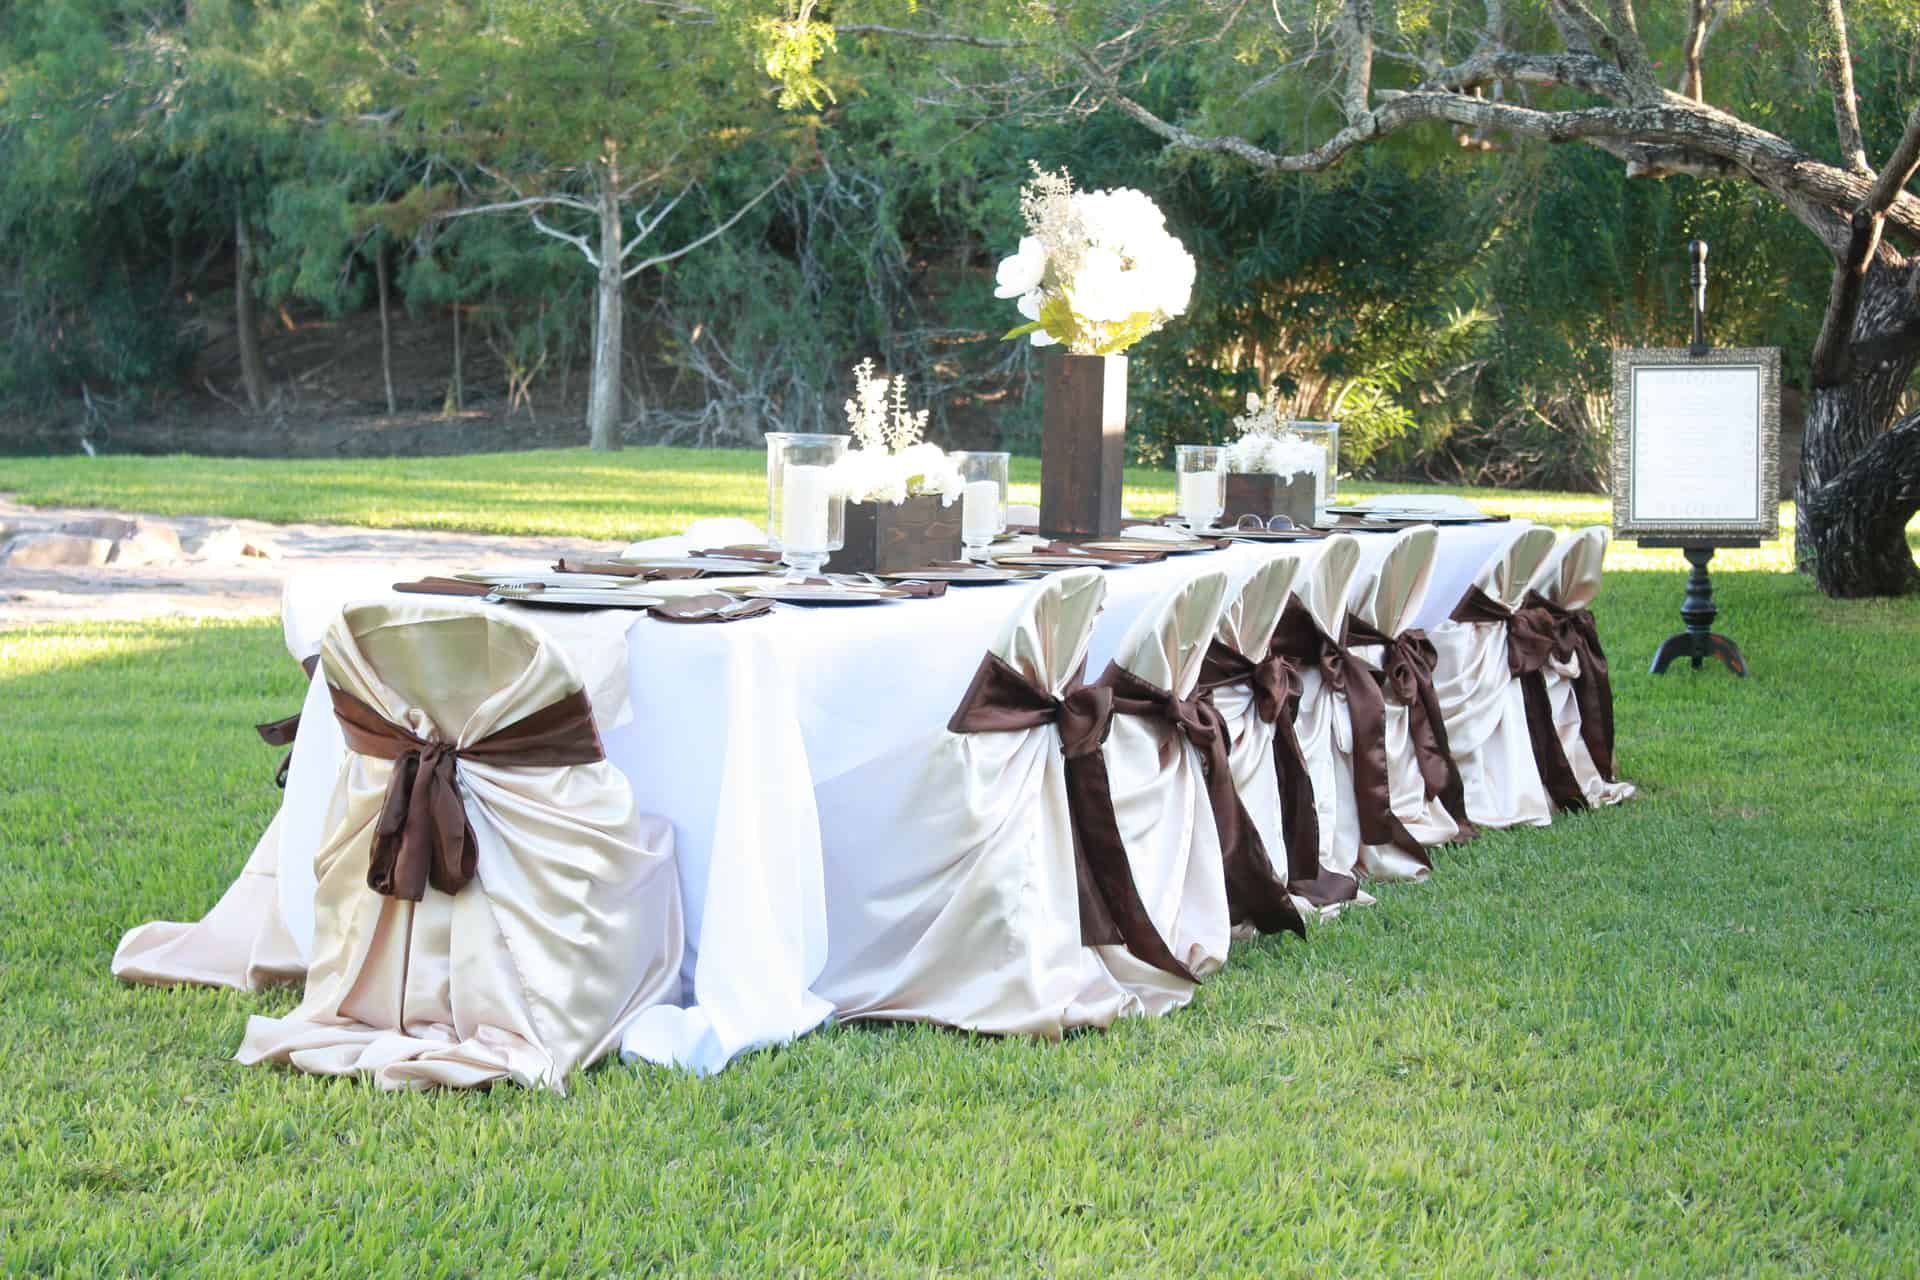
953	894
1481	700
571	923
1161	803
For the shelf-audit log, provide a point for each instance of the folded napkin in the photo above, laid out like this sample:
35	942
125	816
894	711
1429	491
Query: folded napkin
922	589
618	569
1157	533
706	608
1143	556
445	587
759	555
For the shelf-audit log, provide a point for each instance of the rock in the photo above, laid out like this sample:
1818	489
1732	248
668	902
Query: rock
147	544
233	543
112	528
55	551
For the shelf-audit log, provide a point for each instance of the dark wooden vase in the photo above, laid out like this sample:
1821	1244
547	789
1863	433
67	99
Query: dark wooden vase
1267	495
888	537
1083	446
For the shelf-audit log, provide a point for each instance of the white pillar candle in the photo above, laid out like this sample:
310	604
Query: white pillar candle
980	510
1200	494
803	508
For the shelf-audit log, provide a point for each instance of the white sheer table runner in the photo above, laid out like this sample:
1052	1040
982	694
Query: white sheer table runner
731	727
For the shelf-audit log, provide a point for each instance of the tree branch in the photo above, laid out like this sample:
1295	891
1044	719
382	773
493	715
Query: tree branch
683	250
1838	64
1357	42
1692	86
1901	166
1843	300
646	226
932	37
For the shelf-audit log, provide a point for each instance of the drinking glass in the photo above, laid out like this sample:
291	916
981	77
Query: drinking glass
1327	478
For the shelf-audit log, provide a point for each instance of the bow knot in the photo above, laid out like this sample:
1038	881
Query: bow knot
423	837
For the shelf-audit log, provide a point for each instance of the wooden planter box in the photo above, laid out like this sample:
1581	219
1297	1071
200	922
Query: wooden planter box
1267	496
885	537
1083	445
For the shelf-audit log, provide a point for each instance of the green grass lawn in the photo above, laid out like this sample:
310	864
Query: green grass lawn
1677	1038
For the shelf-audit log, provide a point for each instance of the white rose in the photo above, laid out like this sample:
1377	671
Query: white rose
1021	273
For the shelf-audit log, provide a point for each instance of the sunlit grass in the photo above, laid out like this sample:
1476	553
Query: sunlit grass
1677	1038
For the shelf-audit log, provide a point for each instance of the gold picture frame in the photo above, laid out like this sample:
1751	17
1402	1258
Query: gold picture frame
1696	444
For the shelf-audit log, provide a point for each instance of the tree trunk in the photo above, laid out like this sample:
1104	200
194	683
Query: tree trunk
253	369
603	403
1860	483
386	329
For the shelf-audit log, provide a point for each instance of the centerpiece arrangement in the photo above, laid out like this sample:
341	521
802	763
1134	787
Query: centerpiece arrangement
900	491
1096	272
1278	467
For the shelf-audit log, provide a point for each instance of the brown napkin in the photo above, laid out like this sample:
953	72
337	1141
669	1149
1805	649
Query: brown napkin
698	608
444	587
1111	557
672	573
922	589
759	555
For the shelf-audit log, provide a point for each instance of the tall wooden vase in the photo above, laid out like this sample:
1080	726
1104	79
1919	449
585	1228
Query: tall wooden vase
1083	446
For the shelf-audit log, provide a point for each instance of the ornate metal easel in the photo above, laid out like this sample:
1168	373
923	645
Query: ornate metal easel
1697	610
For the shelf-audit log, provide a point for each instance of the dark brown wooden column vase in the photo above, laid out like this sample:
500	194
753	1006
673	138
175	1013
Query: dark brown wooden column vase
1083	447
1266	495
888	537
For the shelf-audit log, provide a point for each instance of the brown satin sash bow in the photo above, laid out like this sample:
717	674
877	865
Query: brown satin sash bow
1254	890
423	836
1407	678
280	733
1531	636
1576	636
1001	700
1299	638
1276	699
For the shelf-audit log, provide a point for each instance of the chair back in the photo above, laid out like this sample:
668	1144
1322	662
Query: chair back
1246	624
1570	576
1325	592
1166	643
1388	596
1046	638
450	670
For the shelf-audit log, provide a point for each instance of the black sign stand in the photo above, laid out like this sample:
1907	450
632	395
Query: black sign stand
1697	610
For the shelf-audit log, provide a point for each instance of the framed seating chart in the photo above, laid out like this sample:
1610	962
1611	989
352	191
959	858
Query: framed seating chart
1696	444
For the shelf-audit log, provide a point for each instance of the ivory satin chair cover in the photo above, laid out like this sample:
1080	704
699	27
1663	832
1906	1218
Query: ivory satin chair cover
1569	578
1324	594
1386	599
1161	802
1481	700
570	924
951	886
1246	628
243	942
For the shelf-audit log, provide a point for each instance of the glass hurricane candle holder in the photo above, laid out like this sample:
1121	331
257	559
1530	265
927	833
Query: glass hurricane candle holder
983	509
1327	479
1200	474
806	513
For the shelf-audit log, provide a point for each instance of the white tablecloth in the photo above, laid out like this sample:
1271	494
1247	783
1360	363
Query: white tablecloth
732	727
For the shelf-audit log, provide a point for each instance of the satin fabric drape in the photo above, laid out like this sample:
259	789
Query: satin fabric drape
1481	701
1581	697
1258	694
1162	806
570	924
954	894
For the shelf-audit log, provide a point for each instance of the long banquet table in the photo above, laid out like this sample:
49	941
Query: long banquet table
732	728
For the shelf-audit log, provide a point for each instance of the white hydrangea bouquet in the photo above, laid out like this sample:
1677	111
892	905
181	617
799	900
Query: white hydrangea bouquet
1097	270
891	462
